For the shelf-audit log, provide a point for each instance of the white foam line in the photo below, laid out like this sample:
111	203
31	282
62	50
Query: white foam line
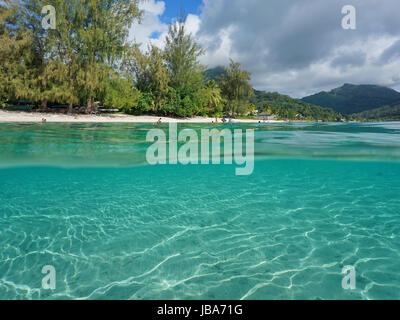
19	286
254	289
178	234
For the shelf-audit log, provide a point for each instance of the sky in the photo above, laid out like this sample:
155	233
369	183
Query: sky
289	46
173	8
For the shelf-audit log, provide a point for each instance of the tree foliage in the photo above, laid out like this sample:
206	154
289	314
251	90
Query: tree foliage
181	56
121	94
15	58
386	113
285	107
236	87
150	74
68	64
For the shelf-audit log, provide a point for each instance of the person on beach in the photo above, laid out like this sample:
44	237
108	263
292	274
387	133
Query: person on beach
44	120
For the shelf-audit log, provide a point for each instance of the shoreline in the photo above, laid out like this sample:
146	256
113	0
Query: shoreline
29	117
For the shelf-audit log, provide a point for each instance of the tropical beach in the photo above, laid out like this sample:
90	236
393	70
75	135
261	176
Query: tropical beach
13	116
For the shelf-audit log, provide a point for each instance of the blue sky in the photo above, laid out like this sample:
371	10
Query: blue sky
173	8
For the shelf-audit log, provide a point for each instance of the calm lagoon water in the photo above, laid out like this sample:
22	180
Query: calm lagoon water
81	198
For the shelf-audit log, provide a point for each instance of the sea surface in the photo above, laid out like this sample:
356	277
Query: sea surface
81	198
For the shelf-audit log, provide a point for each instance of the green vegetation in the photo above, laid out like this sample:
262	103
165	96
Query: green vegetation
235	87
281	106
350	99
213	74
387	113
88	59
73	64
285	107
15	55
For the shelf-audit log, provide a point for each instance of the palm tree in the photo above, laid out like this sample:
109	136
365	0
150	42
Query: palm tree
214	94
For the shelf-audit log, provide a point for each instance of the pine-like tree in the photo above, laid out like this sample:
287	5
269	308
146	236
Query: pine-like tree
181	54
15	47
236	88
149	72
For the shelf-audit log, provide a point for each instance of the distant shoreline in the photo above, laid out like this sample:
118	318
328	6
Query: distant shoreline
26	117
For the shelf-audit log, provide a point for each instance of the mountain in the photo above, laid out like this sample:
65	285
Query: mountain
282	106
213	74
285	107
350	99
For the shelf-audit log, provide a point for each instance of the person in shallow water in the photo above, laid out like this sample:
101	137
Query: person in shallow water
159	121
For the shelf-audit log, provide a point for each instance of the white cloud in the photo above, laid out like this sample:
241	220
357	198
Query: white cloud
299	47
192	24
153	7
293	47
151	23
218	52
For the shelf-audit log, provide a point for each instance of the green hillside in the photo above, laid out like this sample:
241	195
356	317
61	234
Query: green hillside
387	113
285	107
350	99
213	74
361	102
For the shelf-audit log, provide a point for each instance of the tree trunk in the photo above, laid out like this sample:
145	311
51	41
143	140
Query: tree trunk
90	105
94	107
44	105
70	108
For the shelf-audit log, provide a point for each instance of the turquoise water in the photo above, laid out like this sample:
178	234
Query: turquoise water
81	198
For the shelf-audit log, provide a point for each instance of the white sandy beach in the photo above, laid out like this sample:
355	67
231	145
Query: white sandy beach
16	116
